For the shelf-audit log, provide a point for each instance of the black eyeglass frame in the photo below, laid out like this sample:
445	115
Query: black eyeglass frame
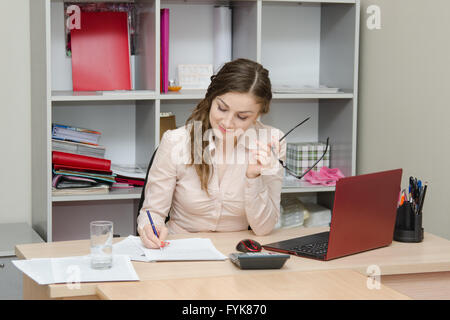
310	168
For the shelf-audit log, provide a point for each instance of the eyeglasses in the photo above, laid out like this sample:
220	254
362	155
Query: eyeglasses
292	173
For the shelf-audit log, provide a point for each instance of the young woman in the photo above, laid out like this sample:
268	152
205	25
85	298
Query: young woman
220	171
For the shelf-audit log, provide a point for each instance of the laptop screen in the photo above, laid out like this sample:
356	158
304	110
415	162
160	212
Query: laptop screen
364	213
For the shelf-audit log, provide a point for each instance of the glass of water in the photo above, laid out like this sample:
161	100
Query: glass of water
101	244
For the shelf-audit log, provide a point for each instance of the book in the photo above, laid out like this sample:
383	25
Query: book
63	182
101	52
164	50
96	176
78	148
79	169
75	134
76	160
100	189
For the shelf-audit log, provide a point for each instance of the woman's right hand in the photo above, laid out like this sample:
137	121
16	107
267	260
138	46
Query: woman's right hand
149	239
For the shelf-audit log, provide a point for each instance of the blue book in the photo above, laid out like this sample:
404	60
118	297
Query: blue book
82	135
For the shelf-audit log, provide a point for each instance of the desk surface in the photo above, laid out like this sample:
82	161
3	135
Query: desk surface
431	255
295	285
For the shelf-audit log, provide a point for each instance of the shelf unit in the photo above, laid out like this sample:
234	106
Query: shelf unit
299	42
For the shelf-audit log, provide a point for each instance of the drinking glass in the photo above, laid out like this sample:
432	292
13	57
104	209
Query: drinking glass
101	244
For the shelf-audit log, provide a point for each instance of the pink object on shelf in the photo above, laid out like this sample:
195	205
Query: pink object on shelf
165	50
326	176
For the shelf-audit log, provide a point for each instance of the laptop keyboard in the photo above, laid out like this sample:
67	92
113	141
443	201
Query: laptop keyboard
317	249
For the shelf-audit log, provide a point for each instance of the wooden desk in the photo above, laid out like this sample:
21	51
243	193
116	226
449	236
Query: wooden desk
431	255
295	285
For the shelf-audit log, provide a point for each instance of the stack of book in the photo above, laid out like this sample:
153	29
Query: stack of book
78	162
78	174
78	148
74	134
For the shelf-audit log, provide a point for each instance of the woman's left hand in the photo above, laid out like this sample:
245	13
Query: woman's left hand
264	160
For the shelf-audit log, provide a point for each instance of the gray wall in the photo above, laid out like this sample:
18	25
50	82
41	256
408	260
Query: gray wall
404	99
15	113
403	115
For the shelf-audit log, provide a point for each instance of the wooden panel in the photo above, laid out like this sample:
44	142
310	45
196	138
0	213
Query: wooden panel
434	286
337	284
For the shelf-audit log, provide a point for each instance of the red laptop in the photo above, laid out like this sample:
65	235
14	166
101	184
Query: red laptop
363	218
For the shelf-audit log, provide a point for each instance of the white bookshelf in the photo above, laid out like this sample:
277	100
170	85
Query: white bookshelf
299	42
67	95
115	194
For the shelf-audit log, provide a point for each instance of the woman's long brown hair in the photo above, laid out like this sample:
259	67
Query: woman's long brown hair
242	76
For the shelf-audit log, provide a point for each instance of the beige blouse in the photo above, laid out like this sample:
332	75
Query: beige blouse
235	203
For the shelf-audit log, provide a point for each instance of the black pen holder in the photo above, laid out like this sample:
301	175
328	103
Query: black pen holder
408	225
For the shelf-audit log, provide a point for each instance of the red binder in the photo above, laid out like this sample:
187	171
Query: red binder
80	169
134	182
100	52
76	160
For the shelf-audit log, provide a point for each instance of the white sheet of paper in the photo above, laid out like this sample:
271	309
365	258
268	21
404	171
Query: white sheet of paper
130	247
76	269
178	250
184	250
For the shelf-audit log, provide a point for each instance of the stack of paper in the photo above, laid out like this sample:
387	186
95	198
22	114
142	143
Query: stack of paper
131	175
177	250
72	270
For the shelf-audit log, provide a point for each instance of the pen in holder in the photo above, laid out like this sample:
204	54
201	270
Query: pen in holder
408	226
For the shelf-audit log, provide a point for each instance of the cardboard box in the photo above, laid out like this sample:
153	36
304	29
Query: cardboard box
166	122
301	156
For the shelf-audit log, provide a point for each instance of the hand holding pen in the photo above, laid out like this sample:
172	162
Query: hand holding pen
153	237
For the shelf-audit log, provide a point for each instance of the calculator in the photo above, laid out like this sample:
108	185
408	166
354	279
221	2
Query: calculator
259	260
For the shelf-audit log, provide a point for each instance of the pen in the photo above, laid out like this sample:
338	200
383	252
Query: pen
422	198
153	226
405	195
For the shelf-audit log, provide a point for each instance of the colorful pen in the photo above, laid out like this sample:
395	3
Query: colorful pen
153	227
422	198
